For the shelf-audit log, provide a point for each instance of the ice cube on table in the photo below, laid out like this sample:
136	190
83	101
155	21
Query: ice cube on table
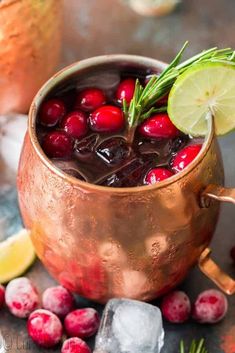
130	326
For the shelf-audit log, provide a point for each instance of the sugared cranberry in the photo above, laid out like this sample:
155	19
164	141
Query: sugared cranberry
210	307
232	253
82	323
44	328
176	307
2	296
90	99
57	144
21	297
58	300
126	90
184	157
107	119
75	345
158	126
75	124
52	112
157	174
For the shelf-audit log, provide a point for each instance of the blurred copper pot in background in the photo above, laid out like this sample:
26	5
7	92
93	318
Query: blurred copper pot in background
106	242
30	41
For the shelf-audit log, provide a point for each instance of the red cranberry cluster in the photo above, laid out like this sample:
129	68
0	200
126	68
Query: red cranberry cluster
45	326
92	112
210	307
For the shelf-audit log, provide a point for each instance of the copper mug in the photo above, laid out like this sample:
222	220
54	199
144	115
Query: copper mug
103	242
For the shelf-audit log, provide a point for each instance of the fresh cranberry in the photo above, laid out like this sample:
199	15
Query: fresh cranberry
210	307
58	300
126	90
44	328
75	345
21	297
157	174
82	323
176	307
158	126
51	112
90	99
2	296
107	119
75	124
57	144
232	253
184	157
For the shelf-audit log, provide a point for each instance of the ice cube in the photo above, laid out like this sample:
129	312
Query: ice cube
105	80
2	344
113	151
130	326
85	147
130	174
71	168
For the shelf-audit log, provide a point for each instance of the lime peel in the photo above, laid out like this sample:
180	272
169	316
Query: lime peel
16	255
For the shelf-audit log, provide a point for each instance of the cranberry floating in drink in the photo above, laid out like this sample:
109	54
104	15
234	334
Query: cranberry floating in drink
96	137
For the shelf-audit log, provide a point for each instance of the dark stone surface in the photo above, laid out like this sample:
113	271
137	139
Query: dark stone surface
104	26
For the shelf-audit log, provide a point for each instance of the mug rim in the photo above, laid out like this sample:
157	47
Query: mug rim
92	62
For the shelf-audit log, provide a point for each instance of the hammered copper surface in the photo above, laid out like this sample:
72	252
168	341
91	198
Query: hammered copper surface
104	242
30	41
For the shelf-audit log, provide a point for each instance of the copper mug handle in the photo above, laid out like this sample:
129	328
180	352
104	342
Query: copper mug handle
206	264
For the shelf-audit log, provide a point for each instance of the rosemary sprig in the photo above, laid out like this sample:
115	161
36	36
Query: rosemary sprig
195	347
145	98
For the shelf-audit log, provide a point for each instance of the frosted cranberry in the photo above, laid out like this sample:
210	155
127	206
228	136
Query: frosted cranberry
75	124
44	328
210	307
2	296
51	112
82	323
158	126
107	119
157	174
232	253
90	99
21	297
176	307
184	157
57	144
126	90
75	345
58	300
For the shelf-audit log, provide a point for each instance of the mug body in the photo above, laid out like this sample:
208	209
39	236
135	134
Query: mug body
103	242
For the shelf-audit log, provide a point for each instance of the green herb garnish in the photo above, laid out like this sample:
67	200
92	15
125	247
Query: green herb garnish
195	347
143	102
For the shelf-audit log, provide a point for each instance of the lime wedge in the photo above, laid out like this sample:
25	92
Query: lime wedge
16	255
202	89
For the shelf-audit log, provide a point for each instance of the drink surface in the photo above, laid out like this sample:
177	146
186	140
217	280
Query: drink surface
83	130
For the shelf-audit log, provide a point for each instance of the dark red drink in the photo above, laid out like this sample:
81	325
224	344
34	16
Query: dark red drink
82	128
